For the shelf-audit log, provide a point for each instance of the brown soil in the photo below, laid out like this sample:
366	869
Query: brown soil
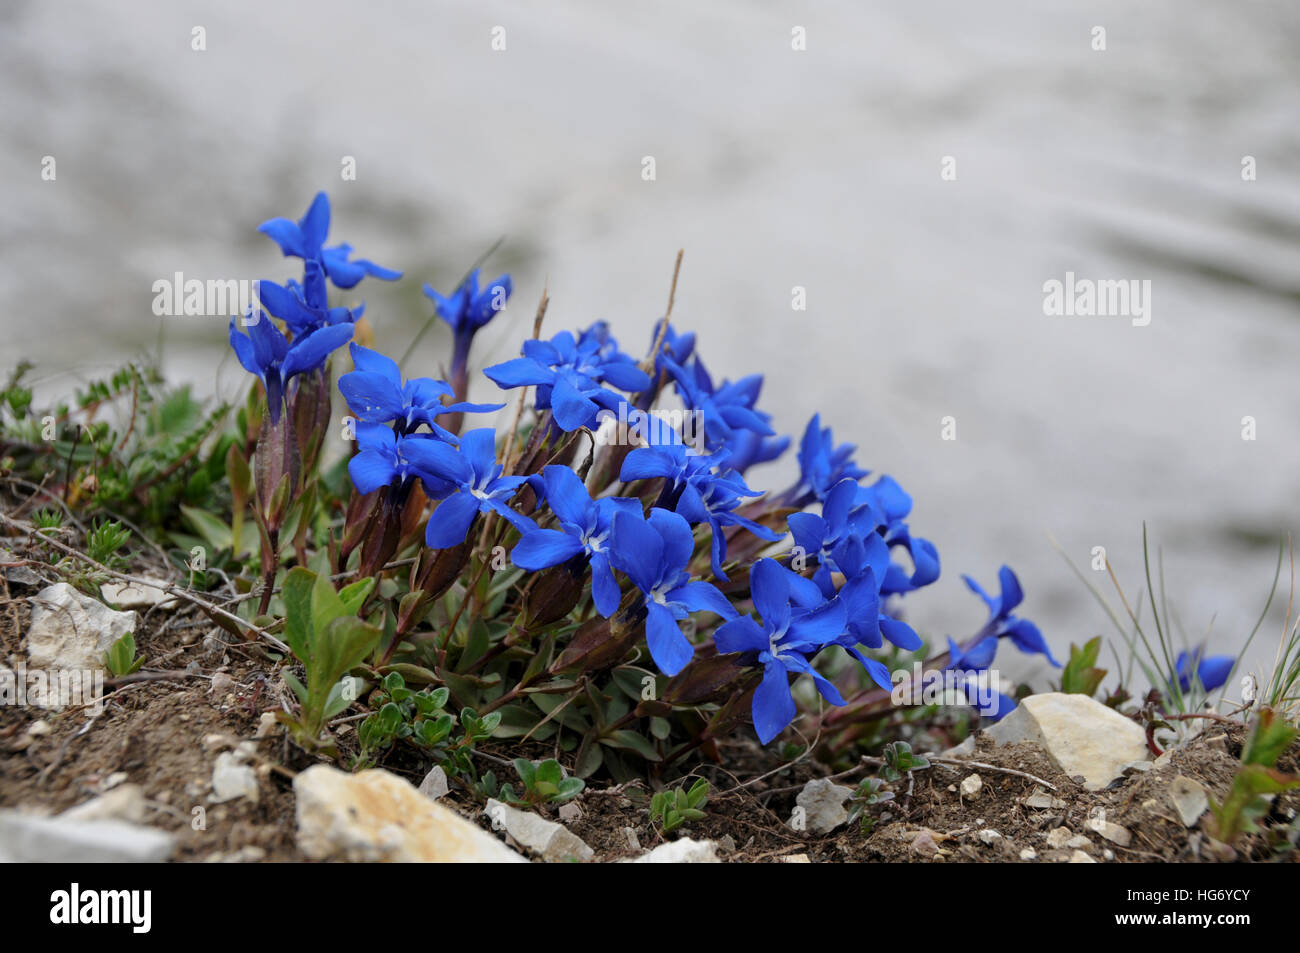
164	734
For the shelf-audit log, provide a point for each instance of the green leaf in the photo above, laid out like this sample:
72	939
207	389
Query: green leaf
296	595
214	531
346	691
631	741
354	596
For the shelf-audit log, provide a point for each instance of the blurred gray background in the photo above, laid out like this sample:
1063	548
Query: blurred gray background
775	168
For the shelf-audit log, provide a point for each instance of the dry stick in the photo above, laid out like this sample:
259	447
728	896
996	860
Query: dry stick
663	328
508	468
519	407
984	766
185	594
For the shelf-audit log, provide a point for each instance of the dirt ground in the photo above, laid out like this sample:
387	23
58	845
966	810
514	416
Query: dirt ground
164	732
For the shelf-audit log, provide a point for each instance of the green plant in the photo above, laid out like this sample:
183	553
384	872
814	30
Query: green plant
1080	675
103	542
325	635
120	659
402	713
673	808
870	793
899	761
544	782
1257	780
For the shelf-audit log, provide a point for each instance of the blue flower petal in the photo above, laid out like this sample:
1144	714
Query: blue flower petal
543	548
670	649
450	522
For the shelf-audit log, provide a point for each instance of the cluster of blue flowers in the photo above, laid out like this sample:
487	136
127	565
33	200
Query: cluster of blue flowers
315	329
853	557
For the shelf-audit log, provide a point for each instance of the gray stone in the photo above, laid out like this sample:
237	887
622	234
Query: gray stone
553	842
823	804
1081	735
72	631
377	816
971	786
1079	857
30	839
1190	799
989	836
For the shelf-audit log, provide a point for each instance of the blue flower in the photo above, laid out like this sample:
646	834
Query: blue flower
700	488
749	448
385	457
586	526
654	553
375	394
845	539
469	308
822	464
781	644
266	352
478	486
305	239
725	409
977	653
305	307
1211	671
570	373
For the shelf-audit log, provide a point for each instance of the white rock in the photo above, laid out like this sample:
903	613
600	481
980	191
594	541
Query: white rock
1081	735
39	728
989	835
1190	799
29	839
1059	837
1078	842
823	804
796	859
632	840
377	816
1079	857
122	803
553	842
569	812
435	783
1041	800
221	685
72	631
266	725
1112	832
682	851
1028	854
971	786
130	595
964	750
232	779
